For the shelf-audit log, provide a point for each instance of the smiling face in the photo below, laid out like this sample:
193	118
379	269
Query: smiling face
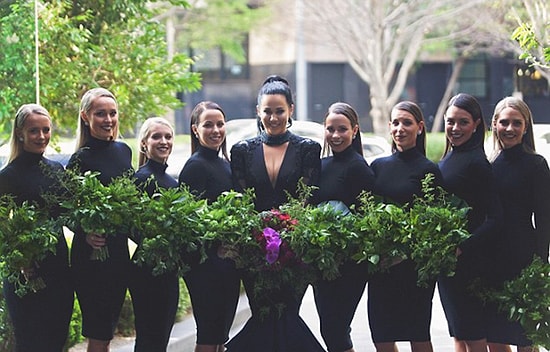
339	133
102	118
403	129
459	125
274	113
35	133
210	129
159	142
510	126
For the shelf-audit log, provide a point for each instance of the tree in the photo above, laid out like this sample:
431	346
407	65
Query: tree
381	40
83	44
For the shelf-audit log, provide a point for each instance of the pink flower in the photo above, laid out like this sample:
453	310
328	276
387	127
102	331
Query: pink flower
273	243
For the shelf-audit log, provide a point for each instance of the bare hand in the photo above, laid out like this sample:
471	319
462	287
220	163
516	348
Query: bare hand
96	241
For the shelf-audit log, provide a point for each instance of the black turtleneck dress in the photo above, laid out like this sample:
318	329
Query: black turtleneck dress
40	319
101	285
154	298
522	181
398	309
214	284
343	177
468	175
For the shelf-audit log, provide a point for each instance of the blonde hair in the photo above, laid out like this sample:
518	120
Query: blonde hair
26	110
145	132
83	129
528	140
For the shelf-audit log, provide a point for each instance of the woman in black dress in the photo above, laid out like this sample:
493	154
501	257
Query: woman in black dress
154	298
398	309
522	178
40	319
272	164
214	284
344	175
100	285
467	174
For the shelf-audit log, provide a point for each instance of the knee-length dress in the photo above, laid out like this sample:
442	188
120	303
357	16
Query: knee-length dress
522	180
398	309
214	284
468	174
155	298
40	319
285	332
343	177
101	285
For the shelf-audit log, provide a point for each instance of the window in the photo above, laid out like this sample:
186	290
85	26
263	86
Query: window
473	78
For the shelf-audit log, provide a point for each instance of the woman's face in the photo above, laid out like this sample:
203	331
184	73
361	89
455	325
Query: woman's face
102	118
274	113
510	126
338	132
35	133
404	129
158	144
210	129
459	125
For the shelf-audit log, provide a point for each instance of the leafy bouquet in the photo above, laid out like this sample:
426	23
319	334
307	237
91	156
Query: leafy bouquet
525	299
27	236
436	225
100	209
170	230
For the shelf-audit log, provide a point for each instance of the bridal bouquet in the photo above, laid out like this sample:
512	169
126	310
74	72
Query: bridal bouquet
27	236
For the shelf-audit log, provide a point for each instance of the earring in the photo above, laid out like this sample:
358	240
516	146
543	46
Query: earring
354	136
86	124
475	130
21	139
419	133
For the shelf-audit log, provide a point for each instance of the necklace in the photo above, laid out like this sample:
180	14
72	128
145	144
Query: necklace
275	140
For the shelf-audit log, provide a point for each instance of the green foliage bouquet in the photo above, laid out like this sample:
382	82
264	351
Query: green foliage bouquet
27	236
100	209
525	299
170	230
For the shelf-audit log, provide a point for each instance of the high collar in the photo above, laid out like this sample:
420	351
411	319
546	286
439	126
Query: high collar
98	143
207	152
469	145
408	154
28	158
156	166
514	152
275	139
344	154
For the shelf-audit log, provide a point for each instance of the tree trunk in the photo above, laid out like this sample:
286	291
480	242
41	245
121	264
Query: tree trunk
457	68
380	115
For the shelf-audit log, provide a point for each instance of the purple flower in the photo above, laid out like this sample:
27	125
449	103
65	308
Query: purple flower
273	242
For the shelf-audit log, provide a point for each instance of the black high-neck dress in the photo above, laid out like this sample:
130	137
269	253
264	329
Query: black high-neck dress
468	174
343	177
40	319
522	181
398	309
101	285
214	284
284	332
154	298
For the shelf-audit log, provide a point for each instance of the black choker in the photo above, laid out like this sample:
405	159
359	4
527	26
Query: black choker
275	140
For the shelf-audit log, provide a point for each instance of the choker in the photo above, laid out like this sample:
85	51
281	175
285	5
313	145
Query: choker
275	140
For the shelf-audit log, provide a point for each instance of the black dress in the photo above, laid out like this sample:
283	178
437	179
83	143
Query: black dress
101	285
284	332
468	174
398	309
214	284
41	319
155	298
343	177
522	181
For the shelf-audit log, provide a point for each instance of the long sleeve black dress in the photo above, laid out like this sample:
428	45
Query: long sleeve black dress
40	319
398	309
214	284
155	298
522	181
343	177
468	174
101	285
286	332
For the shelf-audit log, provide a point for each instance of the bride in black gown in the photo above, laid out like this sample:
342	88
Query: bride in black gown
272	164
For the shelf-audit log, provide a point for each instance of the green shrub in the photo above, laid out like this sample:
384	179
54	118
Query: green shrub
75	328
7	341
